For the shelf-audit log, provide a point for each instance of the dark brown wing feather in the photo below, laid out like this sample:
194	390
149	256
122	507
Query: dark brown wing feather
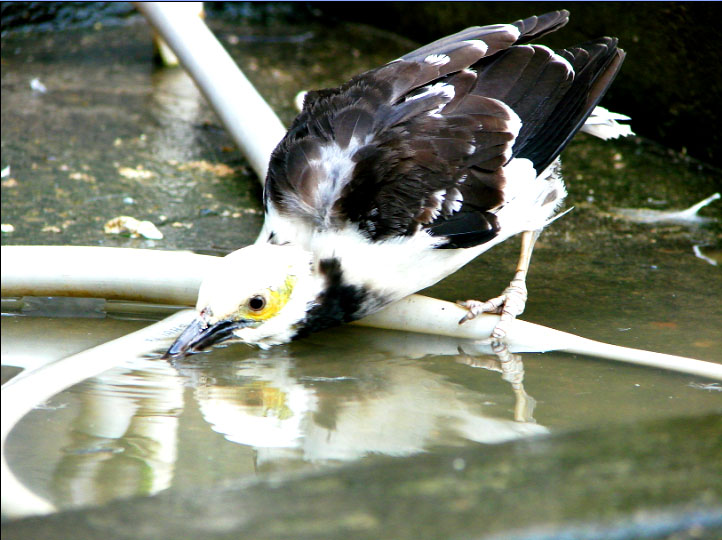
429	159
535	27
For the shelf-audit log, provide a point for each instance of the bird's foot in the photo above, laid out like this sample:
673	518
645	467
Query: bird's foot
511	368
509	304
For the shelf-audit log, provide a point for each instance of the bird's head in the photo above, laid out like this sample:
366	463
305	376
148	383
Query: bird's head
257	295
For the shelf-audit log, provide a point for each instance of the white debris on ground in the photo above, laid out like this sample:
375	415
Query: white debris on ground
137	173
697	250
132	227
710	387
687	216
37	86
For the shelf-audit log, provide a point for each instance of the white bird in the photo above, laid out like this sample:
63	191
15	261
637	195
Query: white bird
401	176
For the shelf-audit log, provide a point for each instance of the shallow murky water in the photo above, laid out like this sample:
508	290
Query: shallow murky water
113	136
341	396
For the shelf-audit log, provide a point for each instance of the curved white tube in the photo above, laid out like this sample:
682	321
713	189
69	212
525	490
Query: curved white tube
24	392
168	277
163	277
426	315
251	122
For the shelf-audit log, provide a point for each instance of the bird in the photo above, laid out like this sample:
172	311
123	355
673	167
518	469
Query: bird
399	177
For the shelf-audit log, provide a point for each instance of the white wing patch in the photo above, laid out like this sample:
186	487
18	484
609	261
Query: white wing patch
441	202
453	200
437	59
337	165
446	90
479	44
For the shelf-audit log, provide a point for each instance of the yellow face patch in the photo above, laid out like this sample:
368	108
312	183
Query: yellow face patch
275	300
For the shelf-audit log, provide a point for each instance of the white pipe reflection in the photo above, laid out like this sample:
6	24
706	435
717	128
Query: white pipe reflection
316	402
24	392
124	439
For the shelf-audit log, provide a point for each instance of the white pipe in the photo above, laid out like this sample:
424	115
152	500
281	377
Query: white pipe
163	277
251	122
24	392
425	315
174	277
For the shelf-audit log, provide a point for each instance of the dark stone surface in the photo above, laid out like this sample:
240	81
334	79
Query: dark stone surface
670	84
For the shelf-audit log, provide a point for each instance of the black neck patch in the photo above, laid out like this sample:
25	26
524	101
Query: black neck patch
338	303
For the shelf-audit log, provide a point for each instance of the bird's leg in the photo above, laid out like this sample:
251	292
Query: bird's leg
512	370
512	301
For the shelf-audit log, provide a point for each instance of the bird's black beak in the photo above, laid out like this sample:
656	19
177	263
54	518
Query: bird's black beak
199	335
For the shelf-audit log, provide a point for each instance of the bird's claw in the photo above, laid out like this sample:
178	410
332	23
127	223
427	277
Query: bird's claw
509	304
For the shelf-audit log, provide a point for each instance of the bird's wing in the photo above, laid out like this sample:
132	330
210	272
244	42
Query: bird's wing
422	142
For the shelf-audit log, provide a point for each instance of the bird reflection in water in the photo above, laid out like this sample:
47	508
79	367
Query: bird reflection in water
392	404
394	394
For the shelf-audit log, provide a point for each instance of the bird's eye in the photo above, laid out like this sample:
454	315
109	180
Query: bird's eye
257	303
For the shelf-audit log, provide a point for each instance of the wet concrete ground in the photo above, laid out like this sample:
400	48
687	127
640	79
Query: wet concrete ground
114	135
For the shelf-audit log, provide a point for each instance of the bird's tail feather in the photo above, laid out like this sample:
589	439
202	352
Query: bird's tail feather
533	205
